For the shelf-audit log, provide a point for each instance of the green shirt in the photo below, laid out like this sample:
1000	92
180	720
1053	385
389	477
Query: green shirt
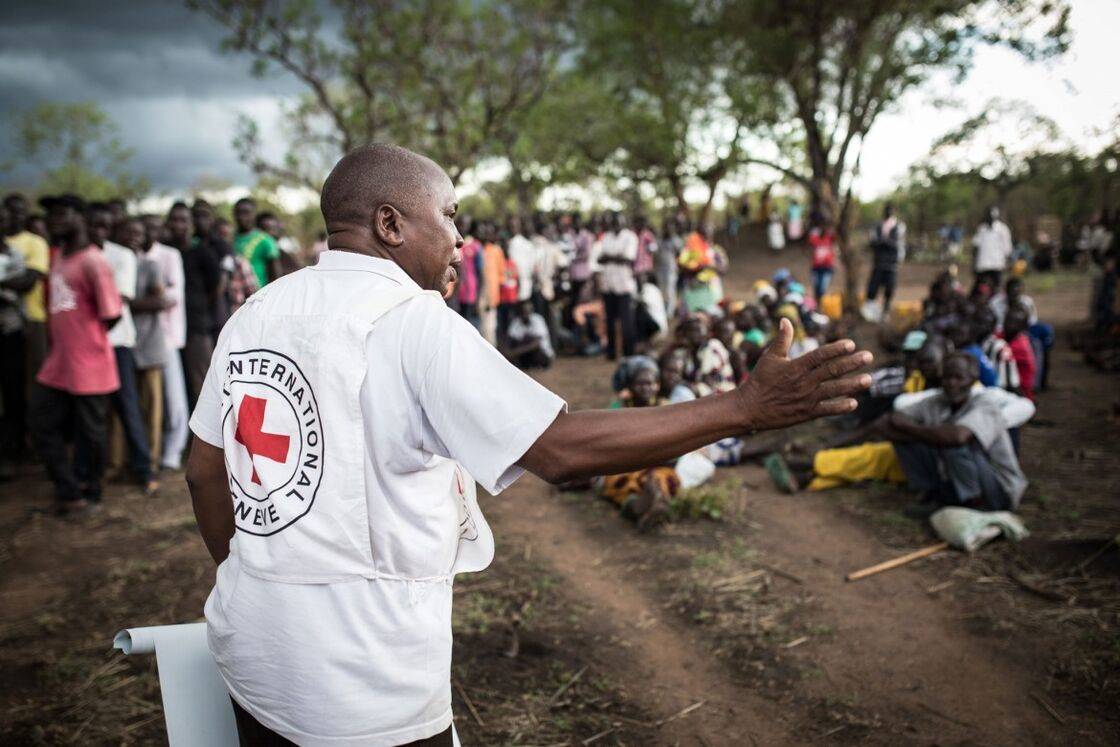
259	249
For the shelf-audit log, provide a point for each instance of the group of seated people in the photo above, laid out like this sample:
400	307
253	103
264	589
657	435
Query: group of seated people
946	420
706	353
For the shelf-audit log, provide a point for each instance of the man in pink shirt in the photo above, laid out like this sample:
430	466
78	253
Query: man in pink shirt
80	370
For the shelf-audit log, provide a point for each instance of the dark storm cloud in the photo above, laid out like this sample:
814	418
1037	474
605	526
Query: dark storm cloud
155	67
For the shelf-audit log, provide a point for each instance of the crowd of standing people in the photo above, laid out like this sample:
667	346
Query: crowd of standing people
604	285
107	326
108	320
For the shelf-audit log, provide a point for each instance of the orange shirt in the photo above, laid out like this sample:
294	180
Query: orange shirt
493	267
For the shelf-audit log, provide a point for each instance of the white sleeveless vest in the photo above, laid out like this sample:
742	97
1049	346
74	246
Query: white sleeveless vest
294	440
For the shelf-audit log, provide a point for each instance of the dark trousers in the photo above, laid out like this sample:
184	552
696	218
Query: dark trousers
125	402
196	362
469	312
953	476
251	733
619	310
885	278
506	312
575	290
991	278
53	413
13	392
822	276
533	359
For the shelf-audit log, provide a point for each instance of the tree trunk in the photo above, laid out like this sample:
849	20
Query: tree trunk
522	191
840	213
677	188
706	211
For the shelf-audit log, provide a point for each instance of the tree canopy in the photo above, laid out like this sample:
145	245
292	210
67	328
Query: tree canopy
77	148
446	77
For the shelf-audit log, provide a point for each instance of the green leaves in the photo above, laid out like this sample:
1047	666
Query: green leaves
77	148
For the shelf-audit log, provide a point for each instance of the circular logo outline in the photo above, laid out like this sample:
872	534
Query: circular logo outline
321	446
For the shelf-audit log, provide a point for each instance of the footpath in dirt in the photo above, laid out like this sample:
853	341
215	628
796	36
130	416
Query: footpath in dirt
890	659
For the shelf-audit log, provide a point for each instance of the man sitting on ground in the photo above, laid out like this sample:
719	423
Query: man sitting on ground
642	495
952	444
528	344
920	369
1015	326
963	336
1011	297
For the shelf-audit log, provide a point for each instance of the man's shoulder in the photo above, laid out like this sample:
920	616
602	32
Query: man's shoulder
27	242
117	254
92	257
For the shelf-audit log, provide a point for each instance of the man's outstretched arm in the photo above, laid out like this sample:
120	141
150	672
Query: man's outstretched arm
781	392
209	486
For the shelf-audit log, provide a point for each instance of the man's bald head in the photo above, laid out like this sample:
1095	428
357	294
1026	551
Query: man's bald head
374	175
386	201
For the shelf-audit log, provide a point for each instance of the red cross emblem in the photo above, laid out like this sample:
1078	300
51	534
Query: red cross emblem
251	435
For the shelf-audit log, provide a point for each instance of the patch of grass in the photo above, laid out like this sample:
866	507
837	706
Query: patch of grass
708	501
892	520
706	560
523	671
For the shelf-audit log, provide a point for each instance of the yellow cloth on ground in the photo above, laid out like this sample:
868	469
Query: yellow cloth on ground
834	468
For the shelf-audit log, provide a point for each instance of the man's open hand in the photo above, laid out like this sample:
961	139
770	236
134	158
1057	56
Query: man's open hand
783	392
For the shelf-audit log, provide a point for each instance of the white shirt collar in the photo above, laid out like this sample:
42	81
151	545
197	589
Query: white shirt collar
336	259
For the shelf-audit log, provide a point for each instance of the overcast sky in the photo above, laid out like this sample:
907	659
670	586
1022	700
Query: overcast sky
156	67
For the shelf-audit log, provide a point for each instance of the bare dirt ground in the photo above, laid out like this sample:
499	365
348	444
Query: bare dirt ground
731	632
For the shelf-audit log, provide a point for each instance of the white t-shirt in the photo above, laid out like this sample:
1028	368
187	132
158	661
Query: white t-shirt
524	255
123	264
618	276
993	246
174	318
368	661
535	327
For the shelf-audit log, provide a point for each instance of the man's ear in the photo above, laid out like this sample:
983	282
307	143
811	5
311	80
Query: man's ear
387	226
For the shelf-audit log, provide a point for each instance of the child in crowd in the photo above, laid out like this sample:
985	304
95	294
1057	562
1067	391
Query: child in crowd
823	240
728	334
1015	325
1012	296
963	337
528	344
996	350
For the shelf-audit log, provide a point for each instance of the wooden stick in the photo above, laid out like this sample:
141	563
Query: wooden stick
470	705
596	737
564	688
681	713
1049	708
895	563
779	572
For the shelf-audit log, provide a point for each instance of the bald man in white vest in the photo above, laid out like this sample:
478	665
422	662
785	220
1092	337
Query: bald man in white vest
345	418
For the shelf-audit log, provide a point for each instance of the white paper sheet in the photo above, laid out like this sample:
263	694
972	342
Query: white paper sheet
196	704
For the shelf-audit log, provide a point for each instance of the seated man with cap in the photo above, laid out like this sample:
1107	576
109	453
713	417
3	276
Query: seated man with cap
952	444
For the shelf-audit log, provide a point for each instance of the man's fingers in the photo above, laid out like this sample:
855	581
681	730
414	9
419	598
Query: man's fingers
843	387
837	367
826	352
835	407
779	346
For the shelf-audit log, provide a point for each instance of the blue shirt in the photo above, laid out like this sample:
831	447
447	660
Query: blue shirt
987	370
